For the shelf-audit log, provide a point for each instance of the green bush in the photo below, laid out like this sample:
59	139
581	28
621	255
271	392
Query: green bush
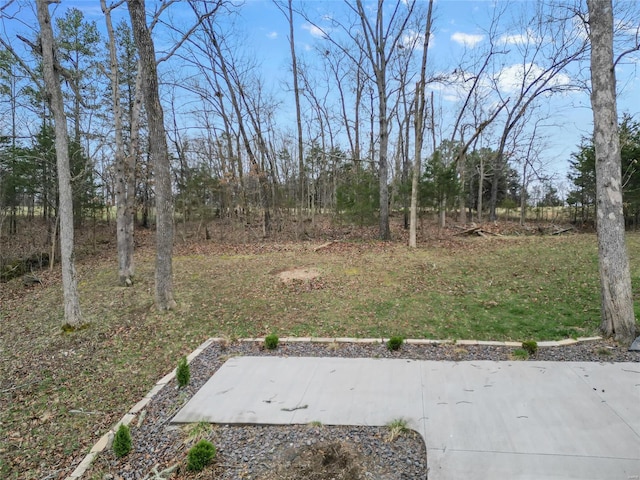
183	374
271	341
530	346
122	441
200	455
394	343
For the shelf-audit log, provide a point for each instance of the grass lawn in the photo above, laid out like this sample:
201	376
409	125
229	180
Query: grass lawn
60	392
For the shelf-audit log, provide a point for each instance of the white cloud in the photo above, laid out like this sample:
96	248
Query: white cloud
467	39
456	85
415	40
272	35
514	39
510	79
314	30
522	38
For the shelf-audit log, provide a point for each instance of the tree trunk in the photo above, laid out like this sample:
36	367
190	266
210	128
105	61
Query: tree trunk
462	212
442	213
383	167
130	172
296	91
497	173
380	45
617	313
125	274
72	313
159	156
523	195
479	206
256	168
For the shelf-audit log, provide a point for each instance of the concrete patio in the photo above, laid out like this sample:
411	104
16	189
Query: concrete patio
481	419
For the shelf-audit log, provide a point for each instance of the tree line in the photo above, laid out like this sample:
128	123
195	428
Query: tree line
99	123
366	111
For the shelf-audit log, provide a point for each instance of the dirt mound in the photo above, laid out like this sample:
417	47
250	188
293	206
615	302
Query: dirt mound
294	274
326	461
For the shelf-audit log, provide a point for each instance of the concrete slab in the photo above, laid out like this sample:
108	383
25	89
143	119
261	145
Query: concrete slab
478	419
275	390
530	408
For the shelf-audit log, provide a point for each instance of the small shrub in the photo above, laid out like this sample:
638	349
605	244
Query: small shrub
122	441
183	375
271	341
520	354
200	455
530	346
396	428
394	343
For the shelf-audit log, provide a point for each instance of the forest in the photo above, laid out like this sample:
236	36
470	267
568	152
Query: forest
368	120
163	117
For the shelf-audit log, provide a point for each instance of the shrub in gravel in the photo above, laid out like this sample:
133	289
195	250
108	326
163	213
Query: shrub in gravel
394	343
200	455
122	441
271	341
396	428
183	374
530	346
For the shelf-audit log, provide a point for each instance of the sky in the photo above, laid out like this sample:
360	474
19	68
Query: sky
460	27
460	32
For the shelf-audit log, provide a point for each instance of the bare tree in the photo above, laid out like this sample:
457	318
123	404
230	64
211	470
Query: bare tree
288	13
124	232
418	126
617	312
159	154
50	70
376	43
381	40
541	73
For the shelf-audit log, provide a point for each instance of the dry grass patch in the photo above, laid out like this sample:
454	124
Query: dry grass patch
301	274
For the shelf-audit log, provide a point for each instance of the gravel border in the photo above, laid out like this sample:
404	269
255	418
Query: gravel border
251	451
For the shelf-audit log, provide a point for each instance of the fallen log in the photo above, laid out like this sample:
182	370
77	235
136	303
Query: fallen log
324	245
564	230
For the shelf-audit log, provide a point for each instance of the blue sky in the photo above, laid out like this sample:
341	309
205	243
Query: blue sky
460	31
460	28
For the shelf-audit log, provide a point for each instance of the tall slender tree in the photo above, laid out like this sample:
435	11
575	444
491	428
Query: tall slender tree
380	41
50	70
288	13
159	155
617	314
123	226
420	104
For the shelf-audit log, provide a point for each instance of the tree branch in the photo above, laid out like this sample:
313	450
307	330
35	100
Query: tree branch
185	36
22	63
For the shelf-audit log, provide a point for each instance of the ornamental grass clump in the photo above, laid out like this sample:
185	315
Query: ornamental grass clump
183	374
271	341
397	428
122	441
200	455
394	343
